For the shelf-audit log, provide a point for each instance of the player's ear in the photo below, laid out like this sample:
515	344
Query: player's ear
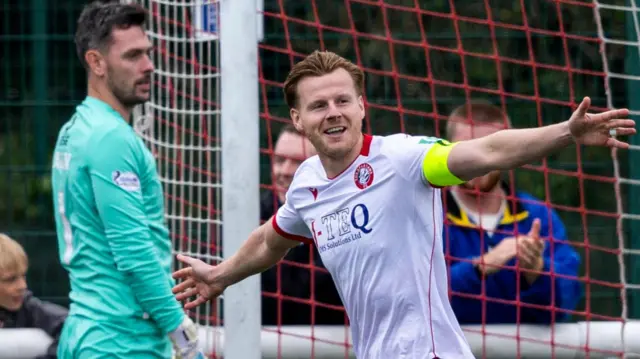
361	104
96	62
295	117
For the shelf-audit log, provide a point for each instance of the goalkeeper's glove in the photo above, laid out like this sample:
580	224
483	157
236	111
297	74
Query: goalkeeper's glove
185	341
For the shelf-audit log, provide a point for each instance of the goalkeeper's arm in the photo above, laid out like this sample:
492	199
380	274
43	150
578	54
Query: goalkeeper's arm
115	168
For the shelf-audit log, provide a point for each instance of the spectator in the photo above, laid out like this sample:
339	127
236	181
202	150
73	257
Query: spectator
291	149
482	226
18	307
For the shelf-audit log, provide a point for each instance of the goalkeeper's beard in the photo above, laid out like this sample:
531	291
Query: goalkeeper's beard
127	97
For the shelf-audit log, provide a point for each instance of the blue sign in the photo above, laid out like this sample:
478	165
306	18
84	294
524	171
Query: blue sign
209	13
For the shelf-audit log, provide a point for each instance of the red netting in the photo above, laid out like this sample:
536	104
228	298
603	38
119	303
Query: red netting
535	59
424	58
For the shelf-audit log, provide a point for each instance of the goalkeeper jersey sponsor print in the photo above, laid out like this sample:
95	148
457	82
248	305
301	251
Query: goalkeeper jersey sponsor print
109	216
378	228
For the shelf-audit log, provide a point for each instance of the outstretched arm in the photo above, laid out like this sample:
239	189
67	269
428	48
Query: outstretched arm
513	148
263	249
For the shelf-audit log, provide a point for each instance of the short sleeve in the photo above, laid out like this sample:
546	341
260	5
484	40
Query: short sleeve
422	158
289	224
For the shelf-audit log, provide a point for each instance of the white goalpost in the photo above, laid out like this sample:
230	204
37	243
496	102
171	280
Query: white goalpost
240	132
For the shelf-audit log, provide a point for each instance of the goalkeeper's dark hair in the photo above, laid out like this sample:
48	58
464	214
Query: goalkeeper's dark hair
97	21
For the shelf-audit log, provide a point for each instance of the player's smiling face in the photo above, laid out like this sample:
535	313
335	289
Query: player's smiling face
129	67
330	113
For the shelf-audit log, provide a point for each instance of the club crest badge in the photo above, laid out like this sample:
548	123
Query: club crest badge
363	176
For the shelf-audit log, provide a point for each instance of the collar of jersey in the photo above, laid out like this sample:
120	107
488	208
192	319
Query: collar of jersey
458	217
102	106
364	151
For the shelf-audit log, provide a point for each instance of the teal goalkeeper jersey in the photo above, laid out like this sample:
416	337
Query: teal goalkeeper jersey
109	211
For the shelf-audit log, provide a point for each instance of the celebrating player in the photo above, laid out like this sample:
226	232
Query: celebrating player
109	205
373	208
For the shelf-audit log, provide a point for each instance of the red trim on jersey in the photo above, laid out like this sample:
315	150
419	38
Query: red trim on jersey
366	145
433	249
290	236
364	151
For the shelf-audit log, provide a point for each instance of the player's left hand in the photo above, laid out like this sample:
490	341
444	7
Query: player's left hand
600	129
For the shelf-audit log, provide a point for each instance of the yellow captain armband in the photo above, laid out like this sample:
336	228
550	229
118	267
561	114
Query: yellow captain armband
434	165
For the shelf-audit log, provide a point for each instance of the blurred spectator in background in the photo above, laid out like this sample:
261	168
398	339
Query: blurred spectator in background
290	150
18	307
488	233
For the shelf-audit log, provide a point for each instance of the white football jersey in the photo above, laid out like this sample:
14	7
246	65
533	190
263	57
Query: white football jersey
378	228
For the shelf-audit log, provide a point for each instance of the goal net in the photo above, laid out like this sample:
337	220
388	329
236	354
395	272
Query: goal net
534	59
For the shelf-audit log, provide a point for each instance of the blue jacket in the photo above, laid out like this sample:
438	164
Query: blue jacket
462	240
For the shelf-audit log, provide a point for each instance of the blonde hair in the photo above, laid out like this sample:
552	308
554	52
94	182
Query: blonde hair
13	258
317	64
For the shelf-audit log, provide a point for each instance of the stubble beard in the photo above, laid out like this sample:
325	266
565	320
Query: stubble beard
126	96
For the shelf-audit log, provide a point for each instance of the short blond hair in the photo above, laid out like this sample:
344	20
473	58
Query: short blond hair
13	258
317	64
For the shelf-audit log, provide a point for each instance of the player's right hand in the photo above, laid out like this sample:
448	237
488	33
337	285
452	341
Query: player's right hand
197	281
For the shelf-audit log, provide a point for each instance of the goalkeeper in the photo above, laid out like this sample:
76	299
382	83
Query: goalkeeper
109	205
